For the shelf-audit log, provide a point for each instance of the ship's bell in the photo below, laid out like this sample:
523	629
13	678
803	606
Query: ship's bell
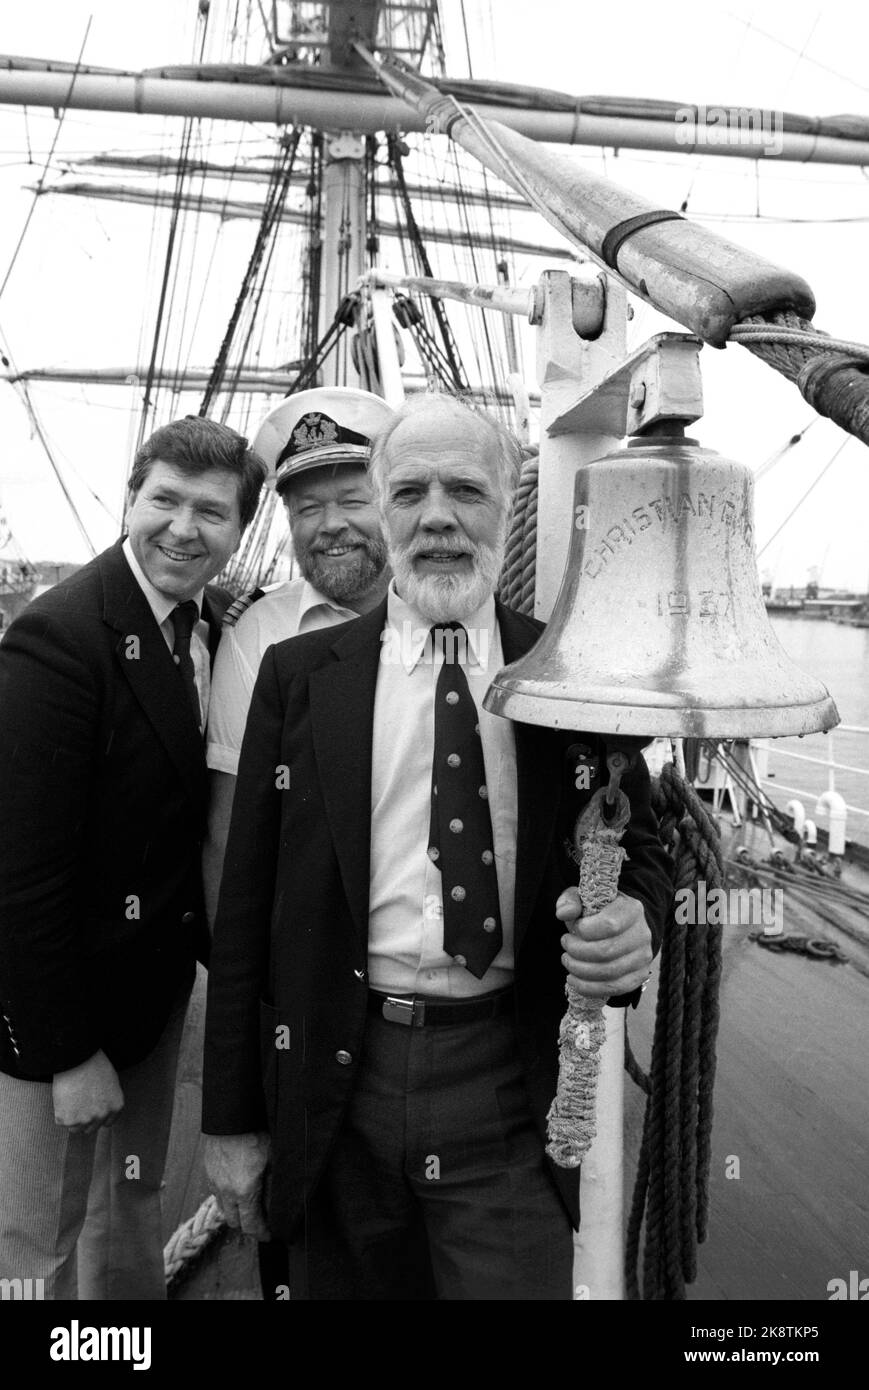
659	627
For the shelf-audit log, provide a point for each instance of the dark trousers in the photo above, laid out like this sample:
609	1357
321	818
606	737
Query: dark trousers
436	1187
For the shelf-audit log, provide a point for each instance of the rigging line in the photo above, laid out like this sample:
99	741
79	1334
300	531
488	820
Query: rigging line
801	54
810	489
464	214
215	243
779	454
180	360
30	159
450	345
57	473
266	26
467	40
791	49
48	159
275	198
167	266
495	369
254	314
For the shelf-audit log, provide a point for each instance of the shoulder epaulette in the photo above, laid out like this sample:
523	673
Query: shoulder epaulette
239	606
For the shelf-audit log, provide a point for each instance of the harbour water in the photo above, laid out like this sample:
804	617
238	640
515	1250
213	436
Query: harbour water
839	656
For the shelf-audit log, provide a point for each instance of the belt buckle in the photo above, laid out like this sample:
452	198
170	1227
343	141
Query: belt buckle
410	1012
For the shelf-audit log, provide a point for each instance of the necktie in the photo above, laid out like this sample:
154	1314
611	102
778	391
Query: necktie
184	616
461	843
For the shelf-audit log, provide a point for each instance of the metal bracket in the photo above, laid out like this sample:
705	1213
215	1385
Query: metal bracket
345	145
661	381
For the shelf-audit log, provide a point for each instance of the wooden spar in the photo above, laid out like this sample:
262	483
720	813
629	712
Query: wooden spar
274	380
504	298
343	242
278	103
229	208
263	172
694	276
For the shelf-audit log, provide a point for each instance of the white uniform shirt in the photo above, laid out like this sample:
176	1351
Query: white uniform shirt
285	611
405	948
162	608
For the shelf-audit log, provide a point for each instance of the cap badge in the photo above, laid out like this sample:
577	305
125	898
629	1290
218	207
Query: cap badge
314	429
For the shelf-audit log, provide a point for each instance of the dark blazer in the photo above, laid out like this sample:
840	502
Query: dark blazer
290	947
102	813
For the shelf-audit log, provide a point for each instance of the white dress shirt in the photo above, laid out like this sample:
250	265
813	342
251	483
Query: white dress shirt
405	946
284	611
162	608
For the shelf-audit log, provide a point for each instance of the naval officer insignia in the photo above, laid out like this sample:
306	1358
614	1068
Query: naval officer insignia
314	429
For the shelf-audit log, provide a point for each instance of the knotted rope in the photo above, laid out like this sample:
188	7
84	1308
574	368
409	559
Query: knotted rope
190	1241
571	1119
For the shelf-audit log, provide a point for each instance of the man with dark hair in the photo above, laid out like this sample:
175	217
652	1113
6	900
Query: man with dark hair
396	921
104	686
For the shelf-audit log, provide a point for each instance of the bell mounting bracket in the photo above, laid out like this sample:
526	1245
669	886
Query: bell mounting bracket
659	382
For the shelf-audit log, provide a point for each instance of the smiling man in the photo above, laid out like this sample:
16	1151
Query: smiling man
319	443
104	688
396	923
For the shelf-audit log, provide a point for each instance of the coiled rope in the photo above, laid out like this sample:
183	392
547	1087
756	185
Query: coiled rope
672	1185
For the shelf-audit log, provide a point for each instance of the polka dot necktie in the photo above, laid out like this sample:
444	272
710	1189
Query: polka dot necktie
461	843
184	617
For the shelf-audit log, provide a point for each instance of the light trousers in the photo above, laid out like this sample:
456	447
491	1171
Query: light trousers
82	1212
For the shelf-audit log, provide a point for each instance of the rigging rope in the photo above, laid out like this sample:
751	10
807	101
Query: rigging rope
814	483
164	286
39	187
458	379
834	381
276	195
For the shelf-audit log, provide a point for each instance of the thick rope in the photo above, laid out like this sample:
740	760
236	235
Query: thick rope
570	1123
190	1241
835	383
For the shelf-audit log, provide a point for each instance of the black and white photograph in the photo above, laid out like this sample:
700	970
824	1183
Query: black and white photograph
434	668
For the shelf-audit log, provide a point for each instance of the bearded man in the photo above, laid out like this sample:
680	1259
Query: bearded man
318	443
395	922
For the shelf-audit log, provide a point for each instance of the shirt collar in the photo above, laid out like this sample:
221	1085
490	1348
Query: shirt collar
411	631
159	604
312	598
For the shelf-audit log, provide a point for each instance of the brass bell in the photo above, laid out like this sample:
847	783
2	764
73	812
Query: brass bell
659	627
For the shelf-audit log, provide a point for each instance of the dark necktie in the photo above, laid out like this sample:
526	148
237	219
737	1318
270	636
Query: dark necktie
184	618
461	843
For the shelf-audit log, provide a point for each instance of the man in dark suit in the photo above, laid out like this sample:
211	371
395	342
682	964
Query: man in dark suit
390	953
104	685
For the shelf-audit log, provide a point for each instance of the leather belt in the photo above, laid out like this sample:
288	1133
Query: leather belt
419	1011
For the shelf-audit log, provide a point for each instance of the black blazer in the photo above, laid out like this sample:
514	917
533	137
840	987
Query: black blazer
290	947
102	814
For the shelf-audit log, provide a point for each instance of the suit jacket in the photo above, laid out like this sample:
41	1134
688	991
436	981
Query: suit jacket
288	982
102	814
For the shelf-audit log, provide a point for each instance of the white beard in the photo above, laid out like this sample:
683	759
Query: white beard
450	598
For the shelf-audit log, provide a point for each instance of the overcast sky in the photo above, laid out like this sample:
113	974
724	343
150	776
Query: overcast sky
77	291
